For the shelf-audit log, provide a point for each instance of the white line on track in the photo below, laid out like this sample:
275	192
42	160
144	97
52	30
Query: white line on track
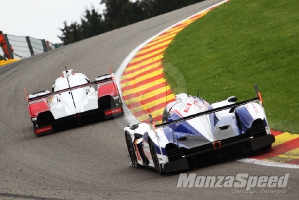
132	119
268	163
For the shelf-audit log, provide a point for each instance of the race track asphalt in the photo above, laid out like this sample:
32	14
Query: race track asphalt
91	162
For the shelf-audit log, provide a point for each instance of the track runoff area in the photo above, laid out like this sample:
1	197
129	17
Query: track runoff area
145	90
5	62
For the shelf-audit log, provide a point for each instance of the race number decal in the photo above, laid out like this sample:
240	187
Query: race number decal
187	107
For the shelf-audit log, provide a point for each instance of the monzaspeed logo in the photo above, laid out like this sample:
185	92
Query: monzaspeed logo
240	180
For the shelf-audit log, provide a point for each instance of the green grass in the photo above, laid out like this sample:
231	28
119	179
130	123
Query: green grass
237	45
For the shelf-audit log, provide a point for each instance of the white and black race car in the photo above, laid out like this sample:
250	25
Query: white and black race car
193	131
74	101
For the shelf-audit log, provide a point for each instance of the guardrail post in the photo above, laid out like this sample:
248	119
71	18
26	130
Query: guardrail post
29	46
8	46
44	45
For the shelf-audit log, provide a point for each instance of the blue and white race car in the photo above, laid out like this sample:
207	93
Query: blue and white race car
193	131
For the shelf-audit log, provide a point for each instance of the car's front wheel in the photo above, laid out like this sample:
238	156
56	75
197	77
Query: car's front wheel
131	150
155	157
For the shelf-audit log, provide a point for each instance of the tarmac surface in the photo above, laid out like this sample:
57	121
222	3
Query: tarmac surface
92	162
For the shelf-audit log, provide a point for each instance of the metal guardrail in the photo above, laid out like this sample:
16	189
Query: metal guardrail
25	46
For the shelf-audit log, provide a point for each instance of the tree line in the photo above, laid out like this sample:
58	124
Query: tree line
118	13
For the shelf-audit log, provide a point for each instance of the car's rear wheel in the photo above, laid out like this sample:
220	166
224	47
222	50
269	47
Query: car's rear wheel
265	148
155	157
269	146
131	150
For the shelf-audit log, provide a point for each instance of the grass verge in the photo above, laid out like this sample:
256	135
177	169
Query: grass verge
237	45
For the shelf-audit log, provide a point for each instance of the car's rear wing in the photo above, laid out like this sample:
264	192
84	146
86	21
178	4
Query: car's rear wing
258	98
98	80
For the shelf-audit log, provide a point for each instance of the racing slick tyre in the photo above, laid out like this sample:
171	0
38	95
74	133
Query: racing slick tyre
265	148
155	158
131	150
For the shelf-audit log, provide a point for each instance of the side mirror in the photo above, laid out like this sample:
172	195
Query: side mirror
232	99
134	126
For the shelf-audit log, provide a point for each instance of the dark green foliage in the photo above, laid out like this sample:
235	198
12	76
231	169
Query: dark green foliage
92	24
158	7
118	13
121	13
71	33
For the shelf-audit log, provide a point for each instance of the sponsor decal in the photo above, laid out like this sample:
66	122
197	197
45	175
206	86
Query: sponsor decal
43	129
137	151
113	111
147	152
206	105
199	105
187	107
241	182
255	109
